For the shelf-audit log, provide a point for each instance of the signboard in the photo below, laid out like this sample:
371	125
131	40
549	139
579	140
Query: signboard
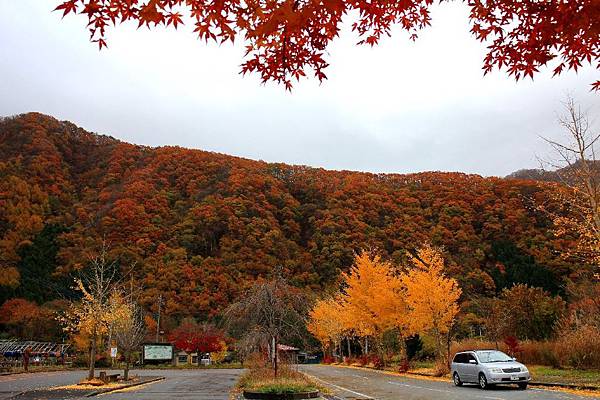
158	352
113	352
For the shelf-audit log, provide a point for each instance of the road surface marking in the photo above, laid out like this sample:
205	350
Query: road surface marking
342	388
438	390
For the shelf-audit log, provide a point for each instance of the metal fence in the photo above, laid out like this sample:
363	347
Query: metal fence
41	353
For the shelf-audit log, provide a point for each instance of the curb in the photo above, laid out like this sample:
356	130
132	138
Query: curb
38	372
418	374
108	390
247	394
565	386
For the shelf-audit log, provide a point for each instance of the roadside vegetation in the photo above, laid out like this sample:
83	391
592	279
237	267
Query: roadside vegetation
260	378
398	315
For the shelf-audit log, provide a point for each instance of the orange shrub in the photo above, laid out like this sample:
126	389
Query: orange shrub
581	347
441	368
578	349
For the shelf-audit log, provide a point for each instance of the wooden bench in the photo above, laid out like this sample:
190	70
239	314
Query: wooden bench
108	378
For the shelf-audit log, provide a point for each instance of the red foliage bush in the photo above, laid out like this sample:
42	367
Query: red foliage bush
404	366
513	344
376	361
328	360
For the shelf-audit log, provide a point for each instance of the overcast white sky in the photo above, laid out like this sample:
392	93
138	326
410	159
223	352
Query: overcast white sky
397	107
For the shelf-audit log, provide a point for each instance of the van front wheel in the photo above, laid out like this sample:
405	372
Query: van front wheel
522	386
483	383
456	379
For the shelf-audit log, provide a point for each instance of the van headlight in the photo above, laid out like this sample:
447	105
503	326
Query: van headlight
496	370
524	369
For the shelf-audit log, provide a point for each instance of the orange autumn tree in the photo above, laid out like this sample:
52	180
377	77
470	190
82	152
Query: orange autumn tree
431	297
284	37
326	322
373	298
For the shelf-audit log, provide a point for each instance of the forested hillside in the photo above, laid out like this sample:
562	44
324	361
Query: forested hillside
198	227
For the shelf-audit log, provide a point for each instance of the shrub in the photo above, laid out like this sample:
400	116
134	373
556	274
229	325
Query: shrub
363	360
473	344
404	366
428	348
441	368
541	353
328	360
376	361
581	347
80	361
414	345
513	344
103	362
287	381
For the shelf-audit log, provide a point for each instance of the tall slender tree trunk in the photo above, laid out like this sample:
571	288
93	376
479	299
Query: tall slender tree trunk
349	348
448	343
273	355
91	371
127	361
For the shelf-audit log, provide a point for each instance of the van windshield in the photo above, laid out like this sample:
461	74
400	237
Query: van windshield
492	356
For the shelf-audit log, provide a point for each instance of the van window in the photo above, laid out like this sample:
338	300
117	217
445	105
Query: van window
469	357
460	358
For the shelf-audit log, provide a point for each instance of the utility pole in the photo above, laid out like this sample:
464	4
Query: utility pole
158	319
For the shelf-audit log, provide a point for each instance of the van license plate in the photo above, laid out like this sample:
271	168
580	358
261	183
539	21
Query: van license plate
514	378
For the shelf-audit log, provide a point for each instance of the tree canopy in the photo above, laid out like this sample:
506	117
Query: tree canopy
200	228
284	38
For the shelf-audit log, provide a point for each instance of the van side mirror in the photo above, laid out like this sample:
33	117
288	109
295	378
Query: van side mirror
472	362
514	358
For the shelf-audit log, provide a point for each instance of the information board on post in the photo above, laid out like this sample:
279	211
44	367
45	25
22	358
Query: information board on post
158	352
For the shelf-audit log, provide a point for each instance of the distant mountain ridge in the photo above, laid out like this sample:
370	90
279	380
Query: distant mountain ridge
199	227
535	174
561	175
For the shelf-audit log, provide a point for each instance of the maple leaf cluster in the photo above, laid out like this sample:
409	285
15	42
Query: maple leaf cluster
284	38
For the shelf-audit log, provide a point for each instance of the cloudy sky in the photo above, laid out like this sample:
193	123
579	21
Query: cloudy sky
397	107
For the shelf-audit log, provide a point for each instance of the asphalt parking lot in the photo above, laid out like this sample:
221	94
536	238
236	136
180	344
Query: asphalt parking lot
182	384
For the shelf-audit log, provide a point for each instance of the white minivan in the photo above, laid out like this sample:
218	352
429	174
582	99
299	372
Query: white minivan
488	367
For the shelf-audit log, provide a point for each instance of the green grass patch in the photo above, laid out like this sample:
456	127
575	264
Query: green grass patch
287	381
285	387
422	364
547	374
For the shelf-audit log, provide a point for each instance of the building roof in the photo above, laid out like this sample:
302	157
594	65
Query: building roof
284	347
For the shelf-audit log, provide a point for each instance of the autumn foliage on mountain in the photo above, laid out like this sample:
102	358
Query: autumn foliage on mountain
284	38
200	227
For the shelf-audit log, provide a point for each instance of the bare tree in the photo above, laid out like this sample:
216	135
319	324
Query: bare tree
577	169
129	330
269	312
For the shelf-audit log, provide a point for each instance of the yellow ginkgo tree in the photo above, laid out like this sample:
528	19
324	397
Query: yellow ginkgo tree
373	300
431	297
326	322
93	315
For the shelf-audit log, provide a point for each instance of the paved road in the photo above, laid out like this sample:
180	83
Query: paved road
183	384
349	383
